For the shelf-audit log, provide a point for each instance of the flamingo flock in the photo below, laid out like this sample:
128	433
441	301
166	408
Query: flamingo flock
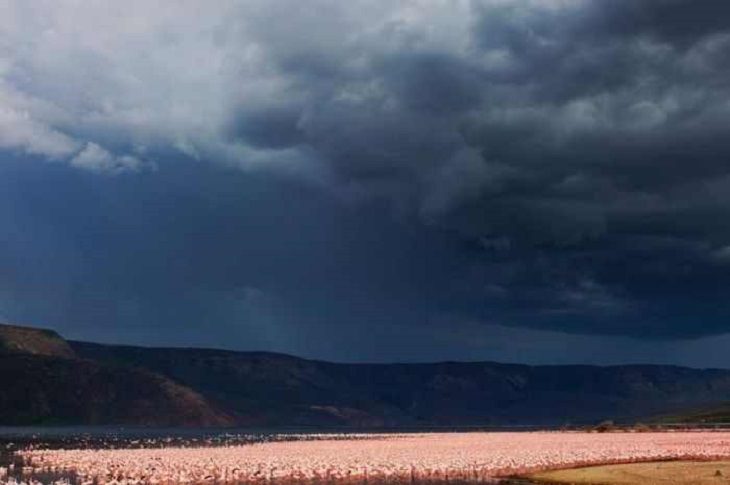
422	457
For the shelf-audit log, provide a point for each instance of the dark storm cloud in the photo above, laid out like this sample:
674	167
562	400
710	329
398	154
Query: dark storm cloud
207	256
268	128
574	154
452	86
674	21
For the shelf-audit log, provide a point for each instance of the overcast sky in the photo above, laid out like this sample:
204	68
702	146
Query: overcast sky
371	180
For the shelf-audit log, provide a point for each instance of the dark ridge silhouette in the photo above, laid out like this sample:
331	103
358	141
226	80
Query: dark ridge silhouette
49	380
274	389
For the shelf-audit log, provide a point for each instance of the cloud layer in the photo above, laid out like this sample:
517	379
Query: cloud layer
577	148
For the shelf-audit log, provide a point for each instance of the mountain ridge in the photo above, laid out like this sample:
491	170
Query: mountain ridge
279	389
73	343
49	379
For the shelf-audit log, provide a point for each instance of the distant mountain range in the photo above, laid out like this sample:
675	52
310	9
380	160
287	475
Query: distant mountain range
48	380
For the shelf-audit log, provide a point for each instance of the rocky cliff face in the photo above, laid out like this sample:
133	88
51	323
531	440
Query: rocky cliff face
45	382
35	341
51	390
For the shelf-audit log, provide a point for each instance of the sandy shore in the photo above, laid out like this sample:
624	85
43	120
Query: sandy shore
410	457
669	473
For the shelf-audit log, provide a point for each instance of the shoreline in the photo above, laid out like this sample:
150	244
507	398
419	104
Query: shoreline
427	457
